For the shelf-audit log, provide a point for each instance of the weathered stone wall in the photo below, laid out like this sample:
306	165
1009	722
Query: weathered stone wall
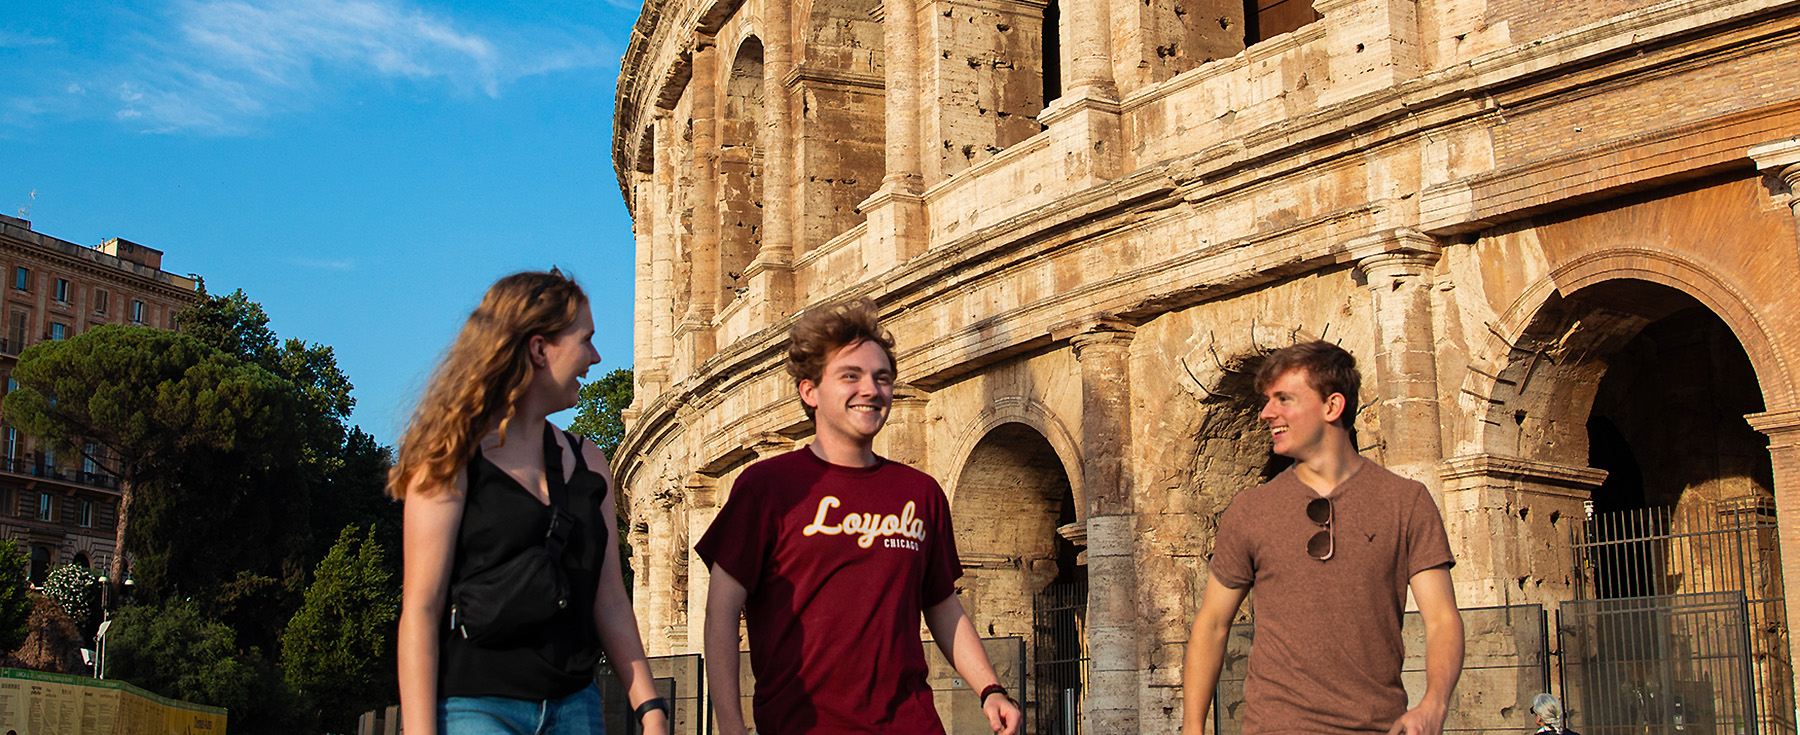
1508	213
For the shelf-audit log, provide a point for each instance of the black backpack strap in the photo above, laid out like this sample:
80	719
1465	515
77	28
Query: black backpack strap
562	523
575	446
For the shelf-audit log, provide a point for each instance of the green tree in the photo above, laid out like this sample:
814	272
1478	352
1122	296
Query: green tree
597	412
15	596
335	649
599	417
178	414
170	648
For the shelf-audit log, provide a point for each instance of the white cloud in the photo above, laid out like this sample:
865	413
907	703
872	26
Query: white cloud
220	66
9	39
330	265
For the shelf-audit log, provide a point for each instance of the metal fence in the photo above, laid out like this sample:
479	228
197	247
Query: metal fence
1693	549
1059	660
1505	664
1665	665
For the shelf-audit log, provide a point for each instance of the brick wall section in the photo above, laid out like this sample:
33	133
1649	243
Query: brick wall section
1686	94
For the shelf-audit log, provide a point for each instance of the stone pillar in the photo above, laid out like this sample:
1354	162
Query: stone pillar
896	211
771	274
1783	430
904	438
1510	521
1405	385
1103	348
702	506
1372	45
981	91
1084	122
1781	160
695	332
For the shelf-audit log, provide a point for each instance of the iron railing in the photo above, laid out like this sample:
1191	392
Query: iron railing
1677	552
1059	659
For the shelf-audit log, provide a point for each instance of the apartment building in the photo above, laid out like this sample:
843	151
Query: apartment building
61	507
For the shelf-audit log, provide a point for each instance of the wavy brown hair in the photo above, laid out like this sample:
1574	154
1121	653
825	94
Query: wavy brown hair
482	377
827	328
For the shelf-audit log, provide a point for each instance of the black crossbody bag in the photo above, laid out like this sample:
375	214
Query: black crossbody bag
511	599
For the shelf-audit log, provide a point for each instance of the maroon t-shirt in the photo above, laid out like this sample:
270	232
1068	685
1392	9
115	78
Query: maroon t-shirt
1327	653
839	562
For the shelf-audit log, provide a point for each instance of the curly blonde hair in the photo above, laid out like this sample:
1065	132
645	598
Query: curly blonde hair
482	376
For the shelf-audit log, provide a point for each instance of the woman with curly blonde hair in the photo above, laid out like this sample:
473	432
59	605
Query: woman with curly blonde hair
487	482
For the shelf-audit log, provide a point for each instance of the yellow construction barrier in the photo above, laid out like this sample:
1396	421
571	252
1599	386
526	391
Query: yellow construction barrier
36	703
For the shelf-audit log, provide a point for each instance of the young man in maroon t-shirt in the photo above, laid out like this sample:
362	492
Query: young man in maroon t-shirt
1331	546
831	553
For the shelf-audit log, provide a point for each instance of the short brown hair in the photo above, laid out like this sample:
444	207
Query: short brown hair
1329	369
827	328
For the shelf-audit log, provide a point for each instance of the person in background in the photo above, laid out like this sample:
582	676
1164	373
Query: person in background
1549	712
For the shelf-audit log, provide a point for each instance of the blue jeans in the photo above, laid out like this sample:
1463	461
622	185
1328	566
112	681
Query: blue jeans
576	714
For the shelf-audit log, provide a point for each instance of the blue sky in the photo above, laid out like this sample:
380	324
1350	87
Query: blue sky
364	168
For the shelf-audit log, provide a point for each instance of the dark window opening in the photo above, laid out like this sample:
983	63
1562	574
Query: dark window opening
1052	52
1266	19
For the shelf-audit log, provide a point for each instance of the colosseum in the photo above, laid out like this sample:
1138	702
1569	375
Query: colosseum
1561	243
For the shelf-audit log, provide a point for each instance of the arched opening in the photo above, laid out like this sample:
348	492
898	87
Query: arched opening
1676	571
740	170
1021	576
81	560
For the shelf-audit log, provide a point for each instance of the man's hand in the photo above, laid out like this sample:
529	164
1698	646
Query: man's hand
1425	719
1002	713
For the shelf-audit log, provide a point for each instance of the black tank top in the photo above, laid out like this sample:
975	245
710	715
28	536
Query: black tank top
500	519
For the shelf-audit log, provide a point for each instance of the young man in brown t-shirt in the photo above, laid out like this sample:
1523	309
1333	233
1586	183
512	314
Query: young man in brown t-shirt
1330	546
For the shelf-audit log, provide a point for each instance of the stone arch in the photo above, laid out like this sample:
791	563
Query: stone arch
1032	413
1012	495
741	145
1612	307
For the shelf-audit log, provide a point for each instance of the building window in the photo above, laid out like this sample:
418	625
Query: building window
137	312
58	331
87	514
88	452
100	296
62	290
16	336
12	447
22	279
46	507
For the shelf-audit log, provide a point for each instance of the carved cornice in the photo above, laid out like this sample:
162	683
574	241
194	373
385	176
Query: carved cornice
825	75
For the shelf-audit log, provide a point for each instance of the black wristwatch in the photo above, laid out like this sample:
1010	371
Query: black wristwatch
655	703
992	689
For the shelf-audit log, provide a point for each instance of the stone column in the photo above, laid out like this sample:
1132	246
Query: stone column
652	373
1084	122
1783	430
1371	44
695	333
771	274
1781	160
904	438
1404	377
896	211
1102	346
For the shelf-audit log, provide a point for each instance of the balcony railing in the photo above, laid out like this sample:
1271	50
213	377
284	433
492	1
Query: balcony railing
32	464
